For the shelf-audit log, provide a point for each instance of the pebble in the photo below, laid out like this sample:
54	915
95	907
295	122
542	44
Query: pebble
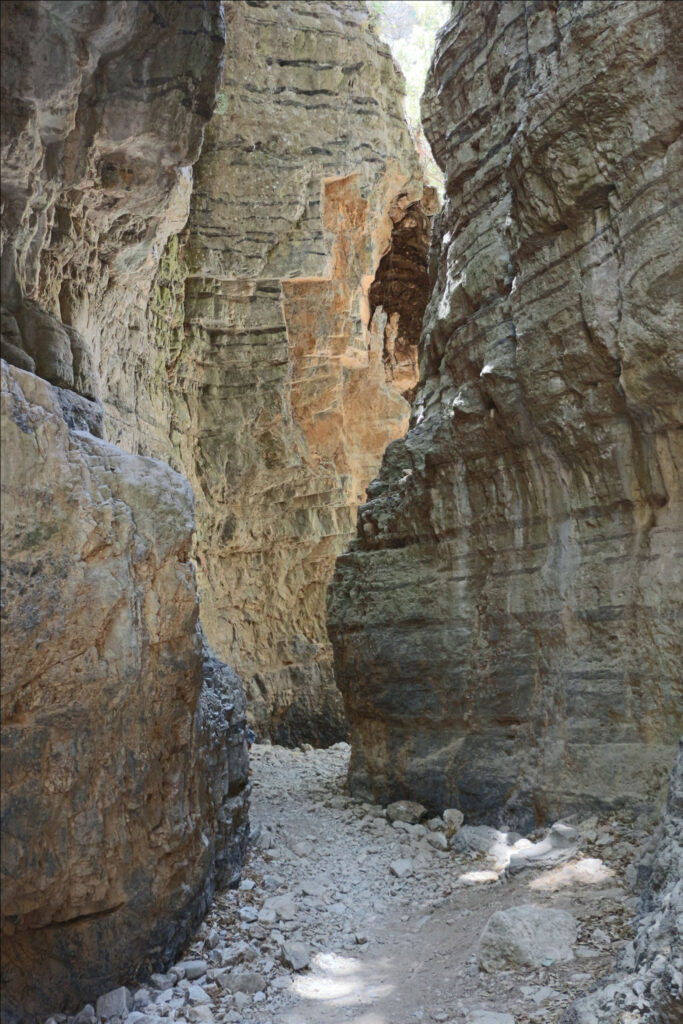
284	907
162	981
141	998
453	818
199	1015
197	996
401	868
406	810
86	1015
241	981
193	969
296	955
437	840
116	1003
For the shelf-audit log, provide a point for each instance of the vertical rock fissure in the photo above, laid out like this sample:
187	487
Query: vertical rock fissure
400	290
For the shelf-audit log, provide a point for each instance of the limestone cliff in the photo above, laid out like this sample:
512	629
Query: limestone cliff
124	761
284	395
507	626
267	348
104	107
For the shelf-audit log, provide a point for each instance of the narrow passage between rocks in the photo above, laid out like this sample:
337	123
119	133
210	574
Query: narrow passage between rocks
343	916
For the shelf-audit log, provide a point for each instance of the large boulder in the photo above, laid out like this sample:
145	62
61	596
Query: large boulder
526	936
124	756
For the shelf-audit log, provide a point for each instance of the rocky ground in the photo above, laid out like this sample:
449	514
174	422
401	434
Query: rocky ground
344	916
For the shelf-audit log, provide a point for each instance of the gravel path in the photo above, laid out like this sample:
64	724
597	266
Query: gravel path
388	950
323	931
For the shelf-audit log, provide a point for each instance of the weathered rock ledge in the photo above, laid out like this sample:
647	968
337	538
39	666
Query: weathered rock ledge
507	626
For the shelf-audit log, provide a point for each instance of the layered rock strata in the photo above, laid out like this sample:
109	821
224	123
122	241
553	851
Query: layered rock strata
123	738
507	626
238	348
124	756
281	406
104	107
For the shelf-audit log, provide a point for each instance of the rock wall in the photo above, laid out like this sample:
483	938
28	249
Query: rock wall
507	626
652	980
282	404
243	348
124	759
237	346
124	776
104	107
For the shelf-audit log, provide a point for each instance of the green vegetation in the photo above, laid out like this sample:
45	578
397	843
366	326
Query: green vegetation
410	27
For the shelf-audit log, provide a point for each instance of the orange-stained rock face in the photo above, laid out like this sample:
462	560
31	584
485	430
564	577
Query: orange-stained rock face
281	405
253	367
339	394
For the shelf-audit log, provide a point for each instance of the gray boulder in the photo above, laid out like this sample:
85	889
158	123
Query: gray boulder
526	936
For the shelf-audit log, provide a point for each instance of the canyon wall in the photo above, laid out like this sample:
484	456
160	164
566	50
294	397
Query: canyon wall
124	755
284	395
264	348
104	107
507	625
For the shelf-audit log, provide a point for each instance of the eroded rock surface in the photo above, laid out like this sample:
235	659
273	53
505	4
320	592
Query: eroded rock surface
124	755
651	985
237	346
103	108
123	738
507	627
308	178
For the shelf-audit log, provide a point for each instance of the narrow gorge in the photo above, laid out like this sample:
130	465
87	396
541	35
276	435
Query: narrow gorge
297	451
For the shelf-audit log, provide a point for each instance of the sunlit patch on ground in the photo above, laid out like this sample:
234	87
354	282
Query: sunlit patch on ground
340	981
478	877
586	871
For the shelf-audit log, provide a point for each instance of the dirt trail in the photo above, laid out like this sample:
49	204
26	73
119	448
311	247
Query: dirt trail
389	950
